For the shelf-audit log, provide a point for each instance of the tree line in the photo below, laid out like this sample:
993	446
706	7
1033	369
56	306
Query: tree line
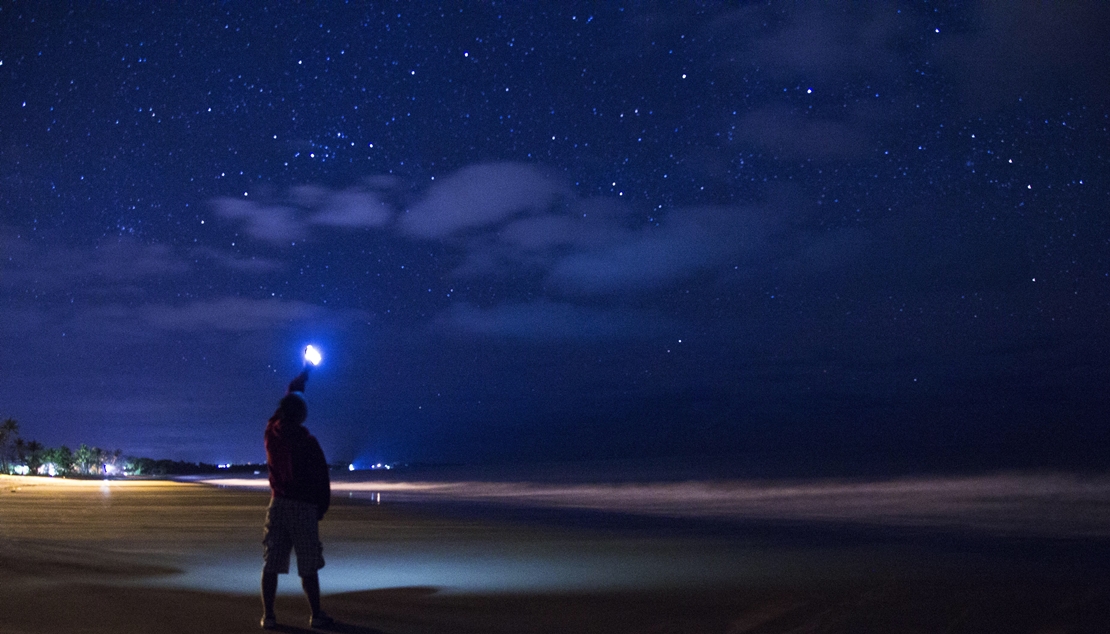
30	457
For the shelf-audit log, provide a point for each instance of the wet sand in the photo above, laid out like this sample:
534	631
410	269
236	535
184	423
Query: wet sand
88	556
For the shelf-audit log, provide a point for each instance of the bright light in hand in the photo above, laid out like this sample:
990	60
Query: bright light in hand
312	355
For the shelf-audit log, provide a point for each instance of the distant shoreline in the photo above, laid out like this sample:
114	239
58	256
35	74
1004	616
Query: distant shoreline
1044	505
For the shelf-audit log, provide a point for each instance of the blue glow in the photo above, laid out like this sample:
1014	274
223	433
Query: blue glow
490	565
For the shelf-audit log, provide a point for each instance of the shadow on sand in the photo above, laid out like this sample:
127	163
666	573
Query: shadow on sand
343	628
342	603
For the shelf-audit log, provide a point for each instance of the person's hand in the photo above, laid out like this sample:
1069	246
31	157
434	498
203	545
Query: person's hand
298	383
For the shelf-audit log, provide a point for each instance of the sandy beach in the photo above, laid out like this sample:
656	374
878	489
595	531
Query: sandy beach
155	556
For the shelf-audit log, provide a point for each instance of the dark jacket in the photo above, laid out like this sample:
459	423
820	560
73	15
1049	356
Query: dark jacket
297	466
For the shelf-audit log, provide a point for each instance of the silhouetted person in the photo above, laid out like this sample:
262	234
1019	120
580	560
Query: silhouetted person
301	492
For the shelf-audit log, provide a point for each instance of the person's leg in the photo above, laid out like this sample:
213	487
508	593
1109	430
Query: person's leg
311	585
277	546
310	558
269	590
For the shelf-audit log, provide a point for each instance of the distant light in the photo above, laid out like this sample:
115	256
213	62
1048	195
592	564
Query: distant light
351	467
312	355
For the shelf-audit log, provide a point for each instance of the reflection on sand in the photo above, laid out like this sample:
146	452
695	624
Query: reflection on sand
1046	505
145	556
468	567
207	537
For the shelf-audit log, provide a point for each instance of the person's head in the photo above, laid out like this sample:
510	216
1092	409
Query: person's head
292	410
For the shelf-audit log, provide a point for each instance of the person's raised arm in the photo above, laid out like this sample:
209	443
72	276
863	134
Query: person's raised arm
298	383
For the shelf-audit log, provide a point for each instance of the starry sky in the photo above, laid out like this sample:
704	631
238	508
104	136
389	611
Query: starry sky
800	237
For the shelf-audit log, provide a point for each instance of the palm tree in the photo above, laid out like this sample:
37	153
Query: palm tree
61	458
9	431
34	458
19	450
86	458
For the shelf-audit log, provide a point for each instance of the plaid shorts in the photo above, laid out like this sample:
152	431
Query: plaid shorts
291	525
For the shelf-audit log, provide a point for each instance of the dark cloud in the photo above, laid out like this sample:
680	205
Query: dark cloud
234	314
111	268
288	221
1030	50
244	264
827	66
115	266
819	43
547	320
592	246
352	208
685	243
793	137
503	219
479	196
271	223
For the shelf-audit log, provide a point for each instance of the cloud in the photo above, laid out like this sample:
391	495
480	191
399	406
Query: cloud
845	56
13	247
382	182
590	246
549	320
1031	50
481	195
689	242
233	314
591	223
130	260
291	220
820	43
272	223
352	208
511	221
22	320
541	232
108	266
644	262
231	261
791	136
308	195
112	266
534	243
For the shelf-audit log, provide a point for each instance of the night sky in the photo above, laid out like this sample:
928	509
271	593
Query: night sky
800	238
